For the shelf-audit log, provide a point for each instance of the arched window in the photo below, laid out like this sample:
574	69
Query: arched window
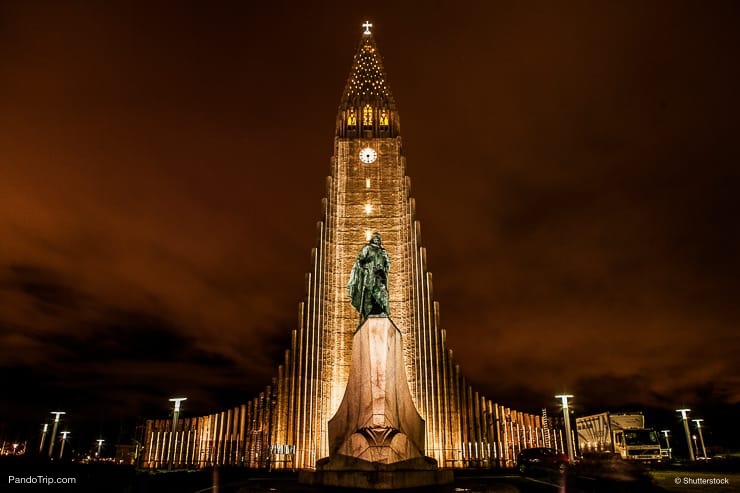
367	116
351	119
383	118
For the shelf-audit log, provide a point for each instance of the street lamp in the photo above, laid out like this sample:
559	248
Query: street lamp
15	448
701	436
684	417
54	430
64	439
667	442
566	415
173	439
43	437
100	445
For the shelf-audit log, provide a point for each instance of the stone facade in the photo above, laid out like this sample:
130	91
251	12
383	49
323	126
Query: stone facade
287	425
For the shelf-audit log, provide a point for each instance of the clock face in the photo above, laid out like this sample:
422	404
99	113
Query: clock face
368	155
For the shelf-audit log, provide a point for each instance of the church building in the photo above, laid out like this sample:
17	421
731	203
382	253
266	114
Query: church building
285	427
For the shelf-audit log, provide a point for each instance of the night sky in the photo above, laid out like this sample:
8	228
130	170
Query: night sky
575	169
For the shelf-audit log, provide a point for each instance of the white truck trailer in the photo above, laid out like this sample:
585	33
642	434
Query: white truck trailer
624	434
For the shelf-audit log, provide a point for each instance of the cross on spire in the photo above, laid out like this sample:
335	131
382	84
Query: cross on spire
367	27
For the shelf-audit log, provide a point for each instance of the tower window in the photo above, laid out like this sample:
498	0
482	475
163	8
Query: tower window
367	182
368	208
383	118
351	119
367	116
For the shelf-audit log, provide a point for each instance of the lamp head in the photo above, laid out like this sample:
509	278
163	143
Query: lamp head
177	401
564	399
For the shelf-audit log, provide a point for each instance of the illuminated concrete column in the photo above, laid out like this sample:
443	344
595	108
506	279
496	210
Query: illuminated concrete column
173	435
701	436
496	423
188	438
249	448
276	433
684	417
505	422
221	438
155	449
559	434
566	416
64	440
204	433
228	437
242	437
54	430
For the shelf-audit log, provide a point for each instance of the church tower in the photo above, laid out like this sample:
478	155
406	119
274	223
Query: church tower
367	191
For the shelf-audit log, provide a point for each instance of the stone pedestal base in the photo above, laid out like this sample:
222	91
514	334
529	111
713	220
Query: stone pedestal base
377	420
376	437
349	472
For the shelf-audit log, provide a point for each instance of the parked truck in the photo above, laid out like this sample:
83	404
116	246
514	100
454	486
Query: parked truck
624	434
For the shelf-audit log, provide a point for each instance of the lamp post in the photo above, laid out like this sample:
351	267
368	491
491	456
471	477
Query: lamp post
667	442
15	448
64	439
136	452
43	437
684	417
54	430
100	446
566	415
701	436
173	439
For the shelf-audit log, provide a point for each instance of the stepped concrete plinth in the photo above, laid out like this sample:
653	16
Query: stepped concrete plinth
376	437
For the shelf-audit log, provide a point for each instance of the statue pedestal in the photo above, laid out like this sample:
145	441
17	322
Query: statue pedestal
376	437
343	472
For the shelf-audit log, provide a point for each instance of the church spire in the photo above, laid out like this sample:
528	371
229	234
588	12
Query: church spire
367	108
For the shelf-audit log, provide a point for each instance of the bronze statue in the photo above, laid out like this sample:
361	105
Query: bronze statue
368	282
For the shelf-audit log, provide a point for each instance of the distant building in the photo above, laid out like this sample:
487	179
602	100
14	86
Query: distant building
127	454
286	425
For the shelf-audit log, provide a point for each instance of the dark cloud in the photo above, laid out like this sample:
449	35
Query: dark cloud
574	169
